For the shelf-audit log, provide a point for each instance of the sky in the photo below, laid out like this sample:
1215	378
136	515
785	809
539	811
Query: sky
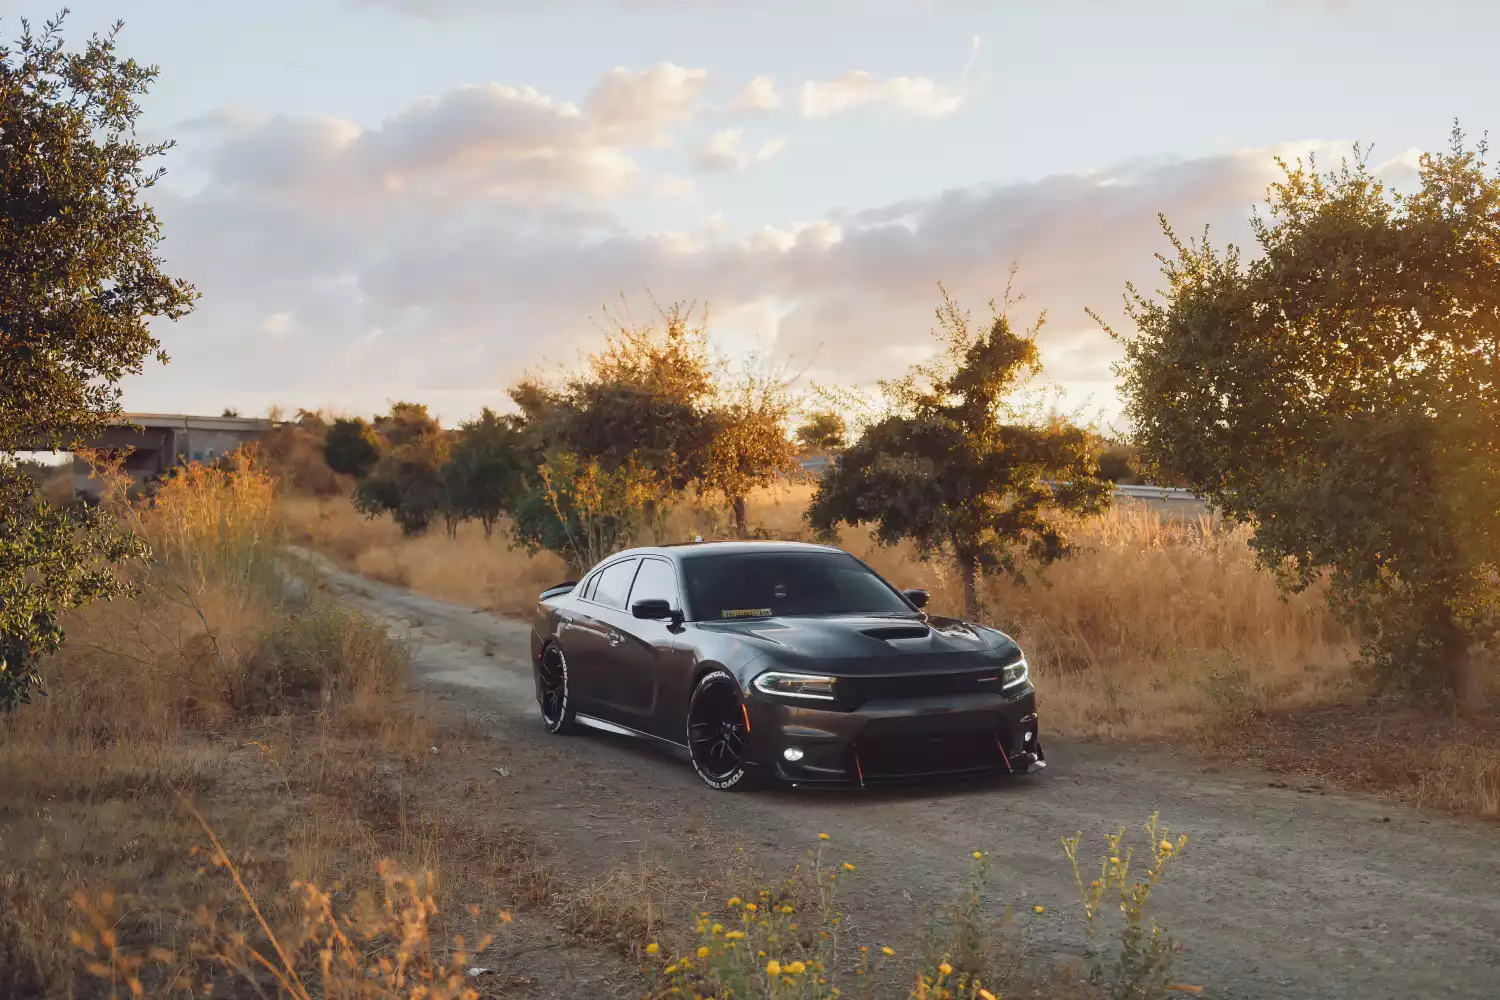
425	200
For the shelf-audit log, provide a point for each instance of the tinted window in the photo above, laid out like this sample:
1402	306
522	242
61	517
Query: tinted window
760	584
614	583
587	590
655	580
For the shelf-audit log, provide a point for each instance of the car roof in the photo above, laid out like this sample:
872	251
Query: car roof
699	550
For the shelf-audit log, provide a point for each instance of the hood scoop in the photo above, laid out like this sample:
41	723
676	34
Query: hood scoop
889	632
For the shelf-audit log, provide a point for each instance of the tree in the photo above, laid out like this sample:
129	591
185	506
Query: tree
1341	394
485	472
351	447
822	432
407	481
955	468
749	444
80	280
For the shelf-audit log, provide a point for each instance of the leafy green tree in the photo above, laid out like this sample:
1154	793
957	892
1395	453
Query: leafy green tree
407	482
823	432
1117	462
485	471
80	280
954	466
1341	393
351	447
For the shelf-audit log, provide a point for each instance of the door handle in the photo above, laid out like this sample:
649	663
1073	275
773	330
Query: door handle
615	638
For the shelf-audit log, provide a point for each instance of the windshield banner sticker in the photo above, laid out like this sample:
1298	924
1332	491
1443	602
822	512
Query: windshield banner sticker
747	613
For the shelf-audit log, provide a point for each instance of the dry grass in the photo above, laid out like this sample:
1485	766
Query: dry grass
206	686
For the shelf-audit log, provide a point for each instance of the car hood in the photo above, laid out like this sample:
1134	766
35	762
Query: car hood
875	644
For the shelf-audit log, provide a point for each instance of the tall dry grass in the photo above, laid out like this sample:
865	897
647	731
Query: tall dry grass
177	693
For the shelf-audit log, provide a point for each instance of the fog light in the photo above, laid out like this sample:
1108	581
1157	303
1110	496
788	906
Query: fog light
1026	738
792	754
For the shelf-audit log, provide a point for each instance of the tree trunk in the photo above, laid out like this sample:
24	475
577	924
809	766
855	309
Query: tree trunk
741	520
1463	674
969	571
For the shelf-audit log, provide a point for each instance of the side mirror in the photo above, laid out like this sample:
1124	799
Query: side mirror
654	608
917	597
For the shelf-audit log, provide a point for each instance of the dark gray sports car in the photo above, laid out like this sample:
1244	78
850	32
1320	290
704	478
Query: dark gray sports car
784	662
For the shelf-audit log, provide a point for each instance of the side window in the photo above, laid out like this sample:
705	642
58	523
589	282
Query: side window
614	583
587	590
656	579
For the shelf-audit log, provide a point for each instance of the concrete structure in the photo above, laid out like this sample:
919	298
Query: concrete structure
159	441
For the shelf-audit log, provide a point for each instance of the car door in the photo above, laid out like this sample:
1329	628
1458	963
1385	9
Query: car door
591	641
648	651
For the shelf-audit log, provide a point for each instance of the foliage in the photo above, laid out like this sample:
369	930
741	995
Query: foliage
583	512
953	467
80	279
646	399
1339	393
51	561
749	445
485	471
1118	462
1141	968
824	431
407	482
789	942
351	447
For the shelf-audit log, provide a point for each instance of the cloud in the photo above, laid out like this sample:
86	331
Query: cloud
912	95
759	95
324	284
725	150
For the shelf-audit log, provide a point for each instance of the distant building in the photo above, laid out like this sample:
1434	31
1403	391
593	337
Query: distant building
160	441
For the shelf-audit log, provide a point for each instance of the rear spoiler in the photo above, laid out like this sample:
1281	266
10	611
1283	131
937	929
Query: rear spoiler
557	591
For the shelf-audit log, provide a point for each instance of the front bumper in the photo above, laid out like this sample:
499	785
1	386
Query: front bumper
914	740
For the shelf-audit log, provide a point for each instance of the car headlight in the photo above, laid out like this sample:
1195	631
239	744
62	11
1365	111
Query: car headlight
796	685
1014	674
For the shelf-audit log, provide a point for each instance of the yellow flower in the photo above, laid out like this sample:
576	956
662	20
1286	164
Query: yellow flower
1166	846
734	901
1094	884
653	948
887	952
946	969
848	867
986	995
773	968
978	855
822	836
703	952
718	928
1114	861
669	970
735	936
786	909
1040	909
796	968
751	907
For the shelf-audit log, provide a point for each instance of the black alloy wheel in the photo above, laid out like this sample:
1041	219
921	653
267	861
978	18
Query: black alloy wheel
719	733
557	712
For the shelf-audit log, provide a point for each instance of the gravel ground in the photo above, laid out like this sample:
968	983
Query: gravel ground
1283	891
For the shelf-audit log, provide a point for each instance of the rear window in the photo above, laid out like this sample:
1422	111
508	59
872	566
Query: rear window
770	584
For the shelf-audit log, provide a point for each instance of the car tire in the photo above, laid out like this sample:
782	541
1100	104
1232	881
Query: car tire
556	702
715	691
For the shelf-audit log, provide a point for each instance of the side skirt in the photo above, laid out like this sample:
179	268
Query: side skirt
619	730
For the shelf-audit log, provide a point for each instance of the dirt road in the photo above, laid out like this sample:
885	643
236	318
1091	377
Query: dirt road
1283	892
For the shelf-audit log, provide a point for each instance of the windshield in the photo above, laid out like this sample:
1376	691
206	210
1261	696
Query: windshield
768	584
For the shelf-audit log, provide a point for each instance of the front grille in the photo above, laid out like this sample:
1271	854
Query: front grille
856	691
892	760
